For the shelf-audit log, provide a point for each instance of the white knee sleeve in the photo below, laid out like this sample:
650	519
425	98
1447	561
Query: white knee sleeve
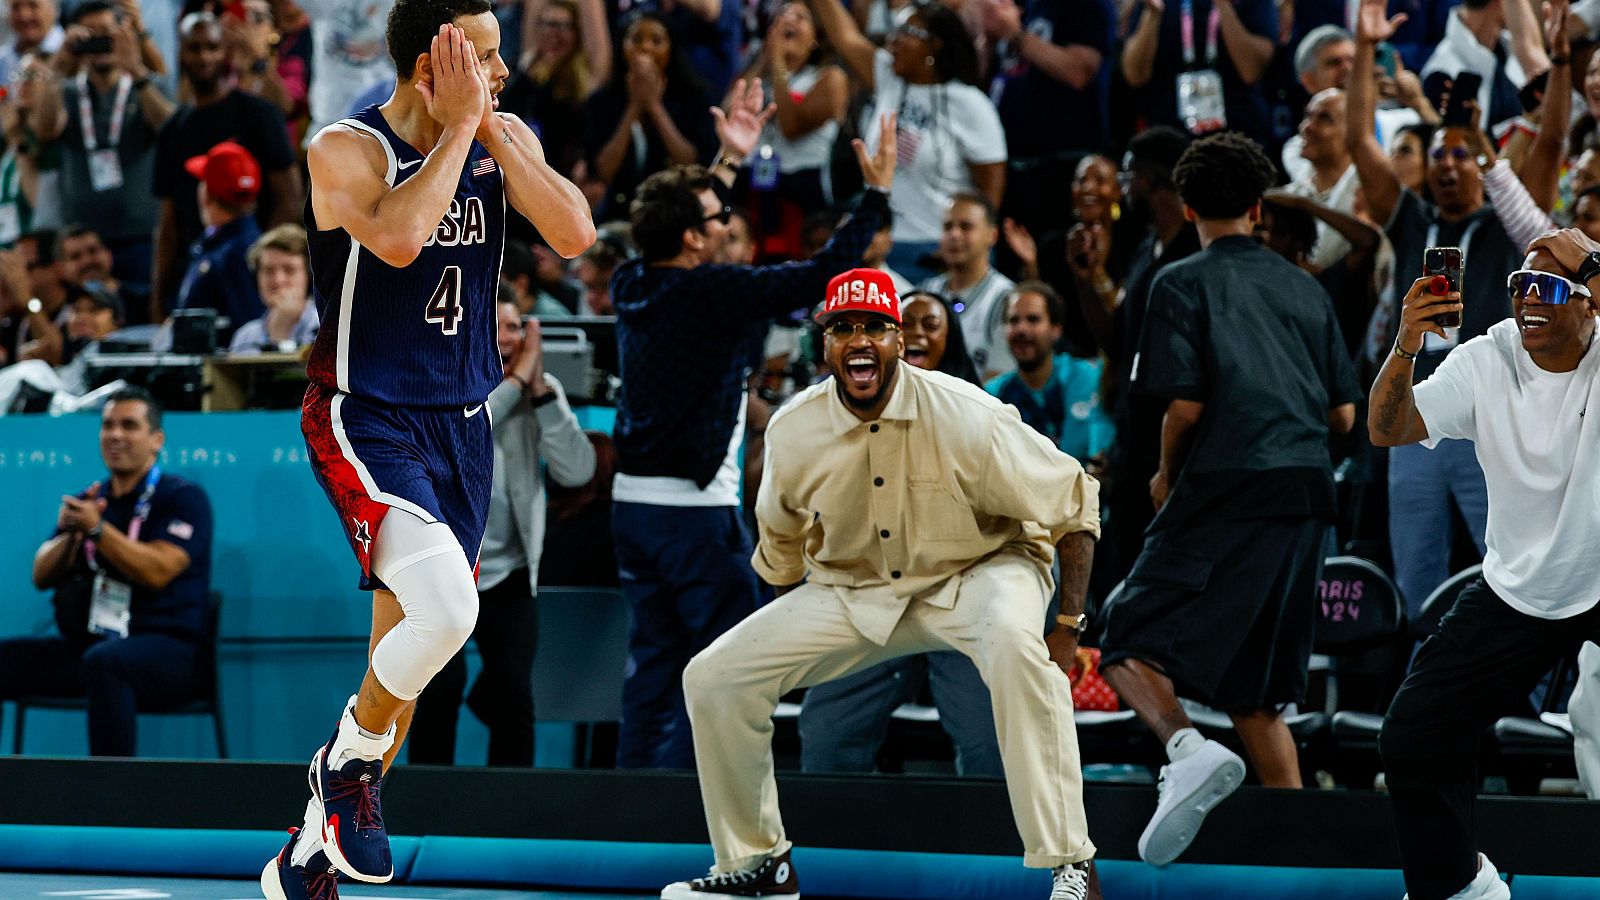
425	567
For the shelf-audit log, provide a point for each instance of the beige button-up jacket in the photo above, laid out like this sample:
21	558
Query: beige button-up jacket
896	509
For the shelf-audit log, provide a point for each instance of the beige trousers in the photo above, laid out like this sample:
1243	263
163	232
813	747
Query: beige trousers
805	638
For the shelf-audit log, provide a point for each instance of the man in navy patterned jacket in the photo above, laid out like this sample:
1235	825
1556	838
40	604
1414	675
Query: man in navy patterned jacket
683	553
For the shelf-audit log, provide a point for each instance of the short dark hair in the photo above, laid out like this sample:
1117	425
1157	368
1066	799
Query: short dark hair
413	24
1222	175
506	292
152	406
1159	148
1055	308
74	230
1296	223
517	259
982	201
667	204
86	8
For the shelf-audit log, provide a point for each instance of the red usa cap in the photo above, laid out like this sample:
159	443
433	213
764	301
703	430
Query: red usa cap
860	290
230	173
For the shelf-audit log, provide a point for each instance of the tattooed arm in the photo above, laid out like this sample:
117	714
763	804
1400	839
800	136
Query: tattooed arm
1392	417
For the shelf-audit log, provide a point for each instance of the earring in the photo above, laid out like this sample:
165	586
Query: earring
929	60
1116	212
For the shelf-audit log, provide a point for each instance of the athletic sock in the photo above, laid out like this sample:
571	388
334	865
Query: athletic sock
309	840
355	742
1184	743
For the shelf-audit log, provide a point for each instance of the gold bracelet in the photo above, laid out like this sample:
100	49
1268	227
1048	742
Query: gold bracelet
730	162
1401	351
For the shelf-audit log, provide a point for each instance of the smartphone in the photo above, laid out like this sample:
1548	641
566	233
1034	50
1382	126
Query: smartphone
1387	58
1531	97
94	44
1463	87
1445	261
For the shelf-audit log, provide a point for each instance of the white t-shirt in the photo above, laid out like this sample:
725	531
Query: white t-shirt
1541	457
981	312
350	54
943	129
812	150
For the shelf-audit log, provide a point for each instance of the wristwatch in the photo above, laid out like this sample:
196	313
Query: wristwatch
35	306
93	534
1589	268
1076	624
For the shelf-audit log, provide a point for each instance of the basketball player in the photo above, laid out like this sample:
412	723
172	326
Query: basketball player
406	218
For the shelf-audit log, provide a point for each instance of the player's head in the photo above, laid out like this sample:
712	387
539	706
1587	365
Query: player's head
676	213
860	319
1552	316
1222	177
131	437
413	24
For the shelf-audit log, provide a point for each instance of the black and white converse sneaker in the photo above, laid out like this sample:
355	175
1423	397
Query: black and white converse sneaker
1076	882
773	878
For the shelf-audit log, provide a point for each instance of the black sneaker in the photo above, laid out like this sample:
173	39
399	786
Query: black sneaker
773	878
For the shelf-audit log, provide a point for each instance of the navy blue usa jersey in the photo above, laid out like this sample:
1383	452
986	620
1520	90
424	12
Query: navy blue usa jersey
423	335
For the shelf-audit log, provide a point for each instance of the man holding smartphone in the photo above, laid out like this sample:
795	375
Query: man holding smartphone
1520	394
1424	486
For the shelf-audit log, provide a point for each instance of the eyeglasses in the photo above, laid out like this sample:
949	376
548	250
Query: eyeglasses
1459	154
725	215
911	31
1545	287
874	329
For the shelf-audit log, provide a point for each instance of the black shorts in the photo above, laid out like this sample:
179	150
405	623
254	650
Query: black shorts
1227	609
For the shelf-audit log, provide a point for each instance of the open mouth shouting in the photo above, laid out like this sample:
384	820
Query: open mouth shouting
917	355
1533	320
862	372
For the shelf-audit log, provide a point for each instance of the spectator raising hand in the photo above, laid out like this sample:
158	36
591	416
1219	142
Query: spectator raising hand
738	123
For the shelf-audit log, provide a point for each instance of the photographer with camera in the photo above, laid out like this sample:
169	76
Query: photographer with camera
534	431
1520	394
104	113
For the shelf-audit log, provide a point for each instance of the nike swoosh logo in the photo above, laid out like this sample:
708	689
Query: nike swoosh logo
471	411
407	165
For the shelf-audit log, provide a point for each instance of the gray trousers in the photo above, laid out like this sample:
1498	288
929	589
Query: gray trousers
843	723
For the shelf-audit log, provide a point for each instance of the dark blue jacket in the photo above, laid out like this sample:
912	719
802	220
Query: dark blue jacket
681	336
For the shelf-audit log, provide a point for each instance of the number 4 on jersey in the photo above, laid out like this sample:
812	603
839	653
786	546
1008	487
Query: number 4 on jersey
444	307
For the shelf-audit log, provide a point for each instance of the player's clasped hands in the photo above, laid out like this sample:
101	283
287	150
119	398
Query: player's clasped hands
458	94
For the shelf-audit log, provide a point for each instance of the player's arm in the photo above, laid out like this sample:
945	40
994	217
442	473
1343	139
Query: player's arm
348	189
552	203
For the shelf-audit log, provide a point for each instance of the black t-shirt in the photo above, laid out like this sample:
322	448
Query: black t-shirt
1253	337
252	122
1489	254
1043	116
686	105
180	514
1056	271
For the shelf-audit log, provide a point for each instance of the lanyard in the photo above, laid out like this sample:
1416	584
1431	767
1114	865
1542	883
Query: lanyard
1186	31
119	109
141	512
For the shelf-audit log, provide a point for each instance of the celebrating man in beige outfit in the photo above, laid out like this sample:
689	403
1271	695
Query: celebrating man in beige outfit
921	515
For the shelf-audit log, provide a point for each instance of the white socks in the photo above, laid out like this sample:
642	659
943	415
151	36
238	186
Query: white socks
355	742
1184	743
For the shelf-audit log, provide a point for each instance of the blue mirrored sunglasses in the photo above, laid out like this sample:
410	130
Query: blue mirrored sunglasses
1543	286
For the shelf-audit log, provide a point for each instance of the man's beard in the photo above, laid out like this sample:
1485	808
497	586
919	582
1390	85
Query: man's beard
885	382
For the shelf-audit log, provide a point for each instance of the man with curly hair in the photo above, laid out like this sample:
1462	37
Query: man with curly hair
1245	349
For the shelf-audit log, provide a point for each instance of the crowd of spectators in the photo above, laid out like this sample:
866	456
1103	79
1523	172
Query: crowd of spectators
153	163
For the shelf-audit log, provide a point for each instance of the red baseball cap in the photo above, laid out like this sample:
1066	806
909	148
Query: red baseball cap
230	173
860	290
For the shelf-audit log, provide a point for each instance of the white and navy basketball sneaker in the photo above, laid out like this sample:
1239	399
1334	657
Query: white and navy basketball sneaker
1189	789
774	877
315	879
353	835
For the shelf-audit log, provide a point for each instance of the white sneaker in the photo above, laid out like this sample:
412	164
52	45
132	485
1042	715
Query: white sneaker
1486	886
1188	790
1071	883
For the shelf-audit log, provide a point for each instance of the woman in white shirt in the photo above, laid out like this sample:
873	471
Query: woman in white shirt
950	138
787	177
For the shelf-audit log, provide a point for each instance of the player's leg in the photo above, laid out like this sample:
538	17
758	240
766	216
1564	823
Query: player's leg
804	637
431	582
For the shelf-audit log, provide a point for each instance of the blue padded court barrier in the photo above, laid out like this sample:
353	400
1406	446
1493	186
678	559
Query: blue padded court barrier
626	867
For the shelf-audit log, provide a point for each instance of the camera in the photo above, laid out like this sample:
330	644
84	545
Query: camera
92	45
